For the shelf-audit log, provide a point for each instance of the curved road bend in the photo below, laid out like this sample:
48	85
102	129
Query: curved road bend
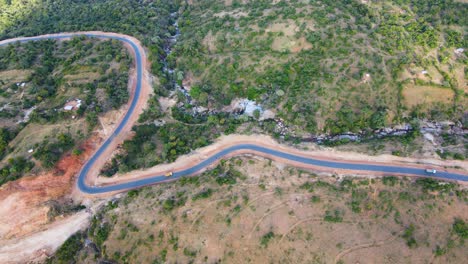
214	158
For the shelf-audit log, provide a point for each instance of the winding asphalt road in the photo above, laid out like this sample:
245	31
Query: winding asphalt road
84	187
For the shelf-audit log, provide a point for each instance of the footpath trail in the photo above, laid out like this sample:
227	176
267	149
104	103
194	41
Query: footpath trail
88	181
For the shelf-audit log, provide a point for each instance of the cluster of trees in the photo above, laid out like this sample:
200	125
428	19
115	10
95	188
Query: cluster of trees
63	60
317	80
15	168
349	120
66	253
149	21
175	139
21	56
26	56
6	135
137	18
398	35
152	112
49	152
115	84
224	174
49	62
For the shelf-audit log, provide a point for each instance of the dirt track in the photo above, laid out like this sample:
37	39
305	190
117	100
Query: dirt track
199	155
13	251
23	203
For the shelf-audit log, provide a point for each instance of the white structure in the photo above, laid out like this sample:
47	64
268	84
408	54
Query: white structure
68	108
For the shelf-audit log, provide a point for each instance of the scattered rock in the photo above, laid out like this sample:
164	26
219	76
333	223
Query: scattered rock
429	137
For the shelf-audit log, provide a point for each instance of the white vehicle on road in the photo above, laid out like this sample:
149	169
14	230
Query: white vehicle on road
431	171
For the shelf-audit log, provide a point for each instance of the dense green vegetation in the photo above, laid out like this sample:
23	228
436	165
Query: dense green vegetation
51	73
51	65
67	252
6	135
174	139
149	21
253	50
460	228
14	169
48	153
409	237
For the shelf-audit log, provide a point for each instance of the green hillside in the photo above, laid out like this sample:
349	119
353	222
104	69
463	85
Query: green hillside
333	66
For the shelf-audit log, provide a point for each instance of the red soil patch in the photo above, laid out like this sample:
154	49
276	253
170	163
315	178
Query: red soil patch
23	203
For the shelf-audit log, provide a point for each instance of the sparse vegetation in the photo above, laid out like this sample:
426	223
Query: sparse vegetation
175	138
67	252
172	219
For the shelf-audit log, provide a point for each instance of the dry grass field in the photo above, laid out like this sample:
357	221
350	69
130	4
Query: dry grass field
277	214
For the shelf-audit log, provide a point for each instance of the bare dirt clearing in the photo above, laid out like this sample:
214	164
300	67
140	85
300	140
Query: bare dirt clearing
24	202
39	246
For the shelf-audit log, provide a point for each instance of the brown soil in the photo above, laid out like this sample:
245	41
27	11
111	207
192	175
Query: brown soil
38	246
266	141
23	203
23	206
228	228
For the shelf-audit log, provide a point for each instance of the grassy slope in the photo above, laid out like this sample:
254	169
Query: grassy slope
54	73
147	21
262	214
309	62
318	54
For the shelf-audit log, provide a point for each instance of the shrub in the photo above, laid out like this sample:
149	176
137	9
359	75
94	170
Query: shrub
389	180
335	217
203	194
266	239
315	199
460	228
15	168
408	235
67	252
